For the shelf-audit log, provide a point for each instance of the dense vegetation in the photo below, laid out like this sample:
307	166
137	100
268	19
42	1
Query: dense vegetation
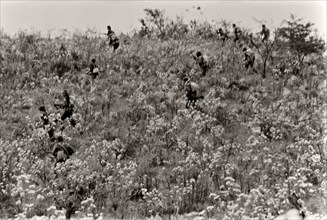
239	154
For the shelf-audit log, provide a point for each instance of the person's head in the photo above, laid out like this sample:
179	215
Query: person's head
42	108
234	25
93	60
108	27
198	54
244	49
62	47
220	30
263	26
65	93
60	139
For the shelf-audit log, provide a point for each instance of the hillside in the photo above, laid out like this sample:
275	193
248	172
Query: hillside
242	151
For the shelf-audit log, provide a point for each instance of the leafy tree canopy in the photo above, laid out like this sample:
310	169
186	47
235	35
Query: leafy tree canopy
299	38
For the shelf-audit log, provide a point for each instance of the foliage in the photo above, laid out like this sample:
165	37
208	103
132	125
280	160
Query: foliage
238	154
299	38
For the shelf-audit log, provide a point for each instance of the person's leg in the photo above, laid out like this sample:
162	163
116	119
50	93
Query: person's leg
116	45
246	65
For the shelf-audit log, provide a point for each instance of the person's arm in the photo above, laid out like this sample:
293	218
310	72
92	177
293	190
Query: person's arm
194	57
245	57
66	102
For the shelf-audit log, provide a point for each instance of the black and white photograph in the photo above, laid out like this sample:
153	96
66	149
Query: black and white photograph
163	110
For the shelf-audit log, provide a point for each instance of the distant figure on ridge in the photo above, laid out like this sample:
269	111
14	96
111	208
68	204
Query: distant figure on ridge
265	33
222	35
113	39
202	60
237	33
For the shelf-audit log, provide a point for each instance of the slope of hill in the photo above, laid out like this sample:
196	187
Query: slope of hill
242	151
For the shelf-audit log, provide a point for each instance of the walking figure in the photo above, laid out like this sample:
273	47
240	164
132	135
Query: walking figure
249	58
237	33
68	108
94	70
265	33
192	92
222	35
202	60
113	39
46	123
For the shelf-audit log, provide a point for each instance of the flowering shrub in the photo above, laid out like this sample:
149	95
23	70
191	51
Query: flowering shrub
238	154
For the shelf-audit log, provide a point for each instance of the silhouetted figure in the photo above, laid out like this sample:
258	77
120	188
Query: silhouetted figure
68	108
222	36
46	123
237	33
265	33
144	29
192	92
94	70
70	209
113	39
202	60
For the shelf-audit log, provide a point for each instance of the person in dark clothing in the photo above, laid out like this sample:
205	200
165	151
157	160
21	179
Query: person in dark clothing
202	60
192	92
222	35
94	71
46	123
265	33
113	39
68	108
237	33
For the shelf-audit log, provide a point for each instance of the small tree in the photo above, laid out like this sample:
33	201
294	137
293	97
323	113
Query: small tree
298	37
264	49
155	18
